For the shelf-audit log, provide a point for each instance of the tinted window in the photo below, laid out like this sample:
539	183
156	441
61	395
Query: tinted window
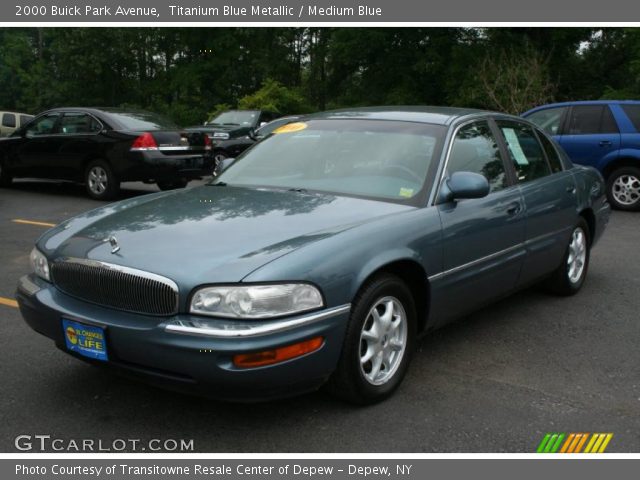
9	120
475	150
608	124
552	153
24	119
79	123
590	119
525	151
142	121
43	125
633	112
380	159
236	117
549	119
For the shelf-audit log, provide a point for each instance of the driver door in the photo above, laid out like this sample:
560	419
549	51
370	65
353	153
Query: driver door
482	238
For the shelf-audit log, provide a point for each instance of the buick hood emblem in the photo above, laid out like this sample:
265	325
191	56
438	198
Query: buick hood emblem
113	241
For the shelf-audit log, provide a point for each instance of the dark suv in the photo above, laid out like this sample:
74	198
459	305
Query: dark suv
602	134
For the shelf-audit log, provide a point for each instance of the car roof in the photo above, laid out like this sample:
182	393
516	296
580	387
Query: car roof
582	102
421	114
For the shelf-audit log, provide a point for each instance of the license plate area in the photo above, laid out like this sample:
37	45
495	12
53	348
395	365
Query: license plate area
86	340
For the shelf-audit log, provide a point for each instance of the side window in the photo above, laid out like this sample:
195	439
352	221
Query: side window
525	151
42	126
548	119
78	123
9	120
24	119
475	150
633	112
552	153
590	119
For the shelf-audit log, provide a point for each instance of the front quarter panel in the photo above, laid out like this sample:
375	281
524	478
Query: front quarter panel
342	263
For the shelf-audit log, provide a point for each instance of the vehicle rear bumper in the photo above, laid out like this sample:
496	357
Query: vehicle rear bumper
141	346
158	166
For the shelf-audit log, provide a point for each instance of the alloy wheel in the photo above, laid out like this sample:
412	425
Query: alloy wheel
97	180
577	255
626	189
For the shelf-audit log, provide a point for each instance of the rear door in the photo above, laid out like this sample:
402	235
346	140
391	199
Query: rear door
77	140
549	194
589	134
483	238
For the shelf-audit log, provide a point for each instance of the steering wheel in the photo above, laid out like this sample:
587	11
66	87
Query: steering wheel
404	172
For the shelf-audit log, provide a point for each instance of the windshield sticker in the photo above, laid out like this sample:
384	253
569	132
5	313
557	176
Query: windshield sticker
291	127
514	145
406	192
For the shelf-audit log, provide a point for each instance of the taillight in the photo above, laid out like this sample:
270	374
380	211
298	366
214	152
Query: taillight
207	142
144	142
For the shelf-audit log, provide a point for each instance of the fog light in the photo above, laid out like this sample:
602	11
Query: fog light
277	355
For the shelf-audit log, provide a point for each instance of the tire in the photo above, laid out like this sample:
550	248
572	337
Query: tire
218	156
623	189
172	185
356	381
566	280
5	178
100	181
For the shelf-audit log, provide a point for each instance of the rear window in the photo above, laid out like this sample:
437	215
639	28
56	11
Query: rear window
633	112
139	121
9	120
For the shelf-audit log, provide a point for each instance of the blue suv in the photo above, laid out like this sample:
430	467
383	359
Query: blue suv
604	134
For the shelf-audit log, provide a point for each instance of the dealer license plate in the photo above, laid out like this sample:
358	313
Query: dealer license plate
85	340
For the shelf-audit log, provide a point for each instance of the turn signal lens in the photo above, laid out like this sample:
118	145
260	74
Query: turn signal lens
207	143
144	142
269	357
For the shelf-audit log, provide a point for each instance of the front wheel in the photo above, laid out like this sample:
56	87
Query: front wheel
100	181
623	188
378	343
570	275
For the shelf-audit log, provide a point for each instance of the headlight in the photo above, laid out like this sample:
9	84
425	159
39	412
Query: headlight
40	264
221	135
256	301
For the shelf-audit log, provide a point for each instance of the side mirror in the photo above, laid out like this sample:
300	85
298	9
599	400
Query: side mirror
252	133
222	166
461	185
262	124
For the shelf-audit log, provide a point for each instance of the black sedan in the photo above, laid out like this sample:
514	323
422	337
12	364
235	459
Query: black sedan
103	147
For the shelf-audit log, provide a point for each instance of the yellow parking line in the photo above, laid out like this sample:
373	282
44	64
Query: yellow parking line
9	302
32	222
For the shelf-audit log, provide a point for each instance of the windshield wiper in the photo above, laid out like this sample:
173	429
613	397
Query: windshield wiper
299	190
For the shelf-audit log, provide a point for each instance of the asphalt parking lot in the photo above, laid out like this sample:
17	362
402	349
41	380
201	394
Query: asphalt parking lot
496	381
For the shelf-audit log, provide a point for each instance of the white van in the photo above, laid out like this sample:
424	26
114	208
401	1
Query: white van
11	121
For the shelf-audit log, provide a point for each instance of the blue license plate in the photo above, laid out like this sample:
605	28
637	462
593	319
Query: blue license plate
86	340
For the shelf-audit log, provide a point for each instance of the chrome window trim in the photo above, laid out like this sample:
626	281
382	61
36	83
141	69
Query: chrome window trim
131	271
224	328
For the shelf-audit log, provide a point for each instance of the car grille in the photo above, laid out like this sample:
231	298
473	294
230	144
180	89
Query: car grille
116	287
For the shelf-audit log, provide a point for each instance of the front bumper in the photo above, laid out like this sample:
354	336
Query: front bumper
198	361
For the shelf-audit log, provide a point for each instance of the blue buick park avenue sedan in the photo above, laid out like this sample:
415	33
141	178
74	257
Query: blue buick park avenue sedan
319	255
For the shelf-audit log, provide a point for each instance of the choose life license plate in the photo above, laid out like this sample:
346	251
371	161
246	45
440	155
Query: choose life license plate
86	340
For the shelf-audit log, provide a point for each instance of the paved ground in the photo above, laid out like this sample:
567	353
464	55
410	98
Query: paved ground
493	382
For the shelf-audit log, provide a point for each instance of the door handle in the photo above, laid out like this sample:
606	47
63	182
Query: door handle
514	208
571	189
605	143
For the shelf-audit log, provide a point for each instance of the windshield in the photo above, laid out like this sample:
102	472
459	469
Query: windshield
371	158
235	117
139	121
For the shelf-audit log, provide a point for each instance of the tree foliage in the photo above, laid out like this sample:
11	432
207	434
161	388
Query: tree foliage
186	73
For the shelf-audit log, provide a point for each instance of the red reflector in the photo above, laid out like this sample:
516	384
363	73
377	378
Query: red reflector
269	357
207	142
145	142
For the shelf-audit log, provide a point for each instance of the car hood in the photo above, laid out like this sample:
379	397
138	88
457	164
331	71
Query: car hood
210	233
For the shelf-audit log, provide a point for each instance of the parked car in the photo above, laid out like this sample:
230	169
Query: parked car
232	125
103	147
602	134
229	149
11	121
320	255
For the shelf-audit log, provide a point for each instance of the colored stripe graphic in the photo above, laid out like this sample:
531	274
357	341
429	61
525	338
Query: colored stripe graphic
574	442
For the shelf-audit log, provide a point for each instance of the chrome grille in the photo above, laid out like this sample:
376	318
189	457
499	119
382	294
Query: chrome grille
115	286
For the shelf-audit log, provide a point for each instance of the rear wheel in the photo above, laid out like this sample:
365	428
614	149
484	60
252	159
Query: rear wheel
378	343
623	188
100	181
5	178
173	184
570	275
